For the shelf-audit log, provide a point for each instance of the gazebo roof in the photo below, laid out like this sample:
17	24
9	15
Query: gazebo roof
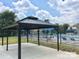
30	23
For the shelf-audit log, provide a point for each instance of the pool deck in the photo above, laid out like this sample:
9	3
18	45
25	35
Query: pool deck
33	51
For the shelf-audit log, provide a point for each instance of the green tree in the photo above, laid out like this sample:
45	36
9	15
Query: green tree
65	27
7	18
62	29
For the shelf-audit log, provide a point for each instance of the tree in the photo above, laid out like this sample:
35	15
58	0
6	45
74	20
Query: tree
65	27
62	29
7	18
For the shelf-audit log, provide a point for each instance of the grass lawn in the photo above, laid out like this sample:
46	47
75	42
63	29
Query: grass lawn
12	40
63	47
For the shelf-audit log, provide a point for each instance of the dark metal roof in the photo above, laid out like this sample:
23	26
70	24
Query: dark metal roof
30	23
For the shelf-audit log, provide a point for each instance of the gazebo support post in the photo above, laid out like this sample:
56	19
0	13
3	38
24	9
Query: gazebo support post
2	37
58	38
19	42
27	36
7	42
38	38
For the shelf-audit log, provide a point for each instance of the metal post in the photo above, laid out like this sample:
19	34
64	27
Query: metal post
7	42
19	42
27	36
58	38
38	38
2	37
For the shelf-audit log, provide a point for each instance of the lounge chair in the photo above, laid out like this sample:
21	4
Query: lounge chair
72	39
64	38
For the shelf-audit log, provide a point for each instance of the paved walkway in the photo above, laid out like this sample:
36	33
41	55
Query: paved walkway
33	51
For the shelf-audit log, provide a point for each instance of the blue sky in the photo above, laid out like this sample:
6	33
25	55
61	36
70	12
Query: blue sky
43	6
57	11
7	2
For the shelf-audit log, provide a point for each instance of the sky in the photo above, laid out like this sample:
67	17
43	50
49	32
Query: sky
57	11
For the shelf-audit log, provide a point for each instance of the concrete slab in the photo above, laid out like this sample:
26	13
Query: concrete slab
33	51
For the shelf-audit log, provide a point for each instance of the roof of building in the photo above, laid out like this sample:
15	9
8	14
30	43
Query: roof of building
30	23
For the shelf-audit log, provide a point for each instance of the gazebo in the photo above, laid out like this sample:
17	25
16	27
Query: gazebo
27	24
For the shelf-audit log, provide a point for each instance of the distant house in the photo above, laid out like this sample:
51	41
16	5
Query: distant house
72	30
77	27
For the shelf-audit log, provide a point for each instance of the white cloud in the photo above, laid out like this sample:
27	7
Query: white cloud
43	14
69	10
20	15
3	8
52	3
23	6
68	6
